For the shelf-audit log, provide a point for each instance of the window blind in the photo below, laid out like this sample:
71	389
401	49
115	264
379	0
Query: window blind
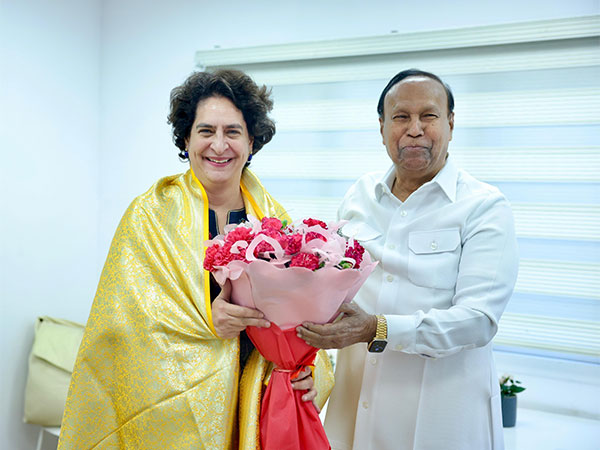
527	120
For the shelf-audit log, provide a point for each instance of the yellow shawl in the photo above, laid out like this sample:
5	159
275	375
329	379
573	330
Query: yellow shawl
151	372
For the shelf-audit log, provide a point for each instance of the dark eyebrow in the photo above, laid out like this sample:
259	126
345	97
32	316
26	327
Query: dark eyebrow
207	125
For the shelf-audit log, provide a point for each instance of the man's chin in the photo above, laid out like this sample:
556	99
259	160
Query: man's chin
414	164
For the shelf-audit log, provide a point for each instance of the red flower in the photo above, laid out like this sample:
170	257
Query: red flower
313	235
356	253
311	222
241	256
238	238
220	255
307	260
265	246
224	256
271	223
239	234
209	259
294	243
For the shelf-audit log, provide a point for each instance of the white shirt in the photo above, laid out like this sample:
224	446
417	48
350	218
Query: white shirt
448	264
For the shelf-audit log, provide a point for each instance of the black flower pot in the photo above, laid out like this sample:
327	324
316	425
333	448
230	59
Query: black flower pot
509	410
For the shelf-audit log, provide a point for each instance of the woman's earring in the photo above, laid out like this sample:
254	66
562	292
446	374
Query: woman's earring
185	153
249	158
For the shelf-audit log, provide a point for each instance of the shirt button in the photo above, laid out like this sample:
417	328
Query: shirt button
390	278
434	245
391	246
373	361
365	405
403	213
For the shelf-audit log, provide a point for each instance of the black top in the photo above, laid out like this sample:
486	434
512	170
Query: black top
234	216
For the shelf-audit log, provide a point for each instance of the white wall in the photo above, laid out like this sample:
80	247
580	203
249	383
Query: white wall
84	95
49	92
148	51
554	385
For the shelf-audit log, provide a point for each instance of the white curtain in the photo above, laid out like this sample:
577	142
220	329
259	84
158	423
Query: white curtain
527	120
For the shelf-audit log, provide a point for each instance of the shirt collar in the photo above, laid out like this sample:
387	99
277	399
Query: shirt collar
445	179
385	183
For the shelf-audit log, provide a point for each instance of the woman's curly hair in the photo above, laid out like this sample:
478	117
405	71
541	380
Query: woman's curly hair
253	101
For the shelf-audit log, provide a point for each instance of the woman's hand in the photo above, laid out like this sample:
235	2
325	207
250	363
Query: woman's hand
229	319
304	382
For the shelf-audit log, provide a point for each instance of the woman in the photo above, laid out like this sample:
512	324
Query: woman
163	364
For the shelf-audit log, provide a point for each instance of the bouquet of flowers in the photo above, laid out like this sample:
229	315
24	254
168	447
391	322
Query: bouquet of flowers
301	272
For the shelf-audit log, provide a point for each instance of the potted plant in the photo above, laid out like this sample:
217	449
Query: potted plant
509	388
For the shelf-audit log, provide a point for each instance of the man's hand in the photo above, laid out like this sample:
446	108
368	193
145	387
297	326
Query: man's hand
354	326
304	382
229	320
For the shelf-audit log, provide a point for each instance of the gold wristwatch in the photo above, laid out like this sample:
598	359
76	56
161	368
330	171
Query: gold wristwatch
380	340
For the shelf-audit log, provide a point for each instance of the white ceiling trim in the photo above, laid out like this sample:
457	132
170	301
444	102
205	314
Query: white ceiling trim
556	29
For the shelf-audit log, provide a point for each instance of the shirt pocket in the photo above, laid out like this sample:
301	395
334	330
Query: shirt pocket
433	258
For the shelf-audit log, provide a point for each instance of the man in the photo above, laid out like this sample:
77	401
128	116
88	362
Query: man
415	369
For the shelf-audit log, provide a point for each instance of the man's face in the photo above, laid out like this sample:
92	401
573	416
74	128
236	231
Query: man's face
416	128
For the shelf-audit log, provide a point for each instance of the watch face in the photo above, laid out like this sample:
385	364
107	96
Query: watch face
377	346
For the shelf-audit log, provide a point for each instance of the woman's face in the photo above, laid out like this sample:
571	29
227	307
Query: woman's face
219	143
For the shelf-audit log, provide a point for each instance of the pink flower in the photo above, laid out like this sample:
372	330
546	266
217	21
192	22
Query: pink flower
239	234
209	259
224	256
285	246
271	223
313	235
307	260
311	222
356	253
264	247
294	243
241	256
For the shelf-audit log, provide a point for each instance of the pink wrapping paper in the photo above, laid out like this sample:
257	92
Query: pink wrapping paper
290	296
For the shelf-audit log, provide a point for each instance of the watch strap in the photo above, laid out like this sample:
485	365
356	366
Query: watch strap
381	331
377	345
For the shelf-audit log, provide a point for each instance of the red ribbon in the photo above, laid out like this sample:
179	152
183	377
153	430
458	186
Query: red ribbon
286	421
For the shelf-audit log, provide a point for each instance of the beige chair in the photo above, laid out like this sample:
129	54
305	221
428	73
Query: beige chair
54	431
51	363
